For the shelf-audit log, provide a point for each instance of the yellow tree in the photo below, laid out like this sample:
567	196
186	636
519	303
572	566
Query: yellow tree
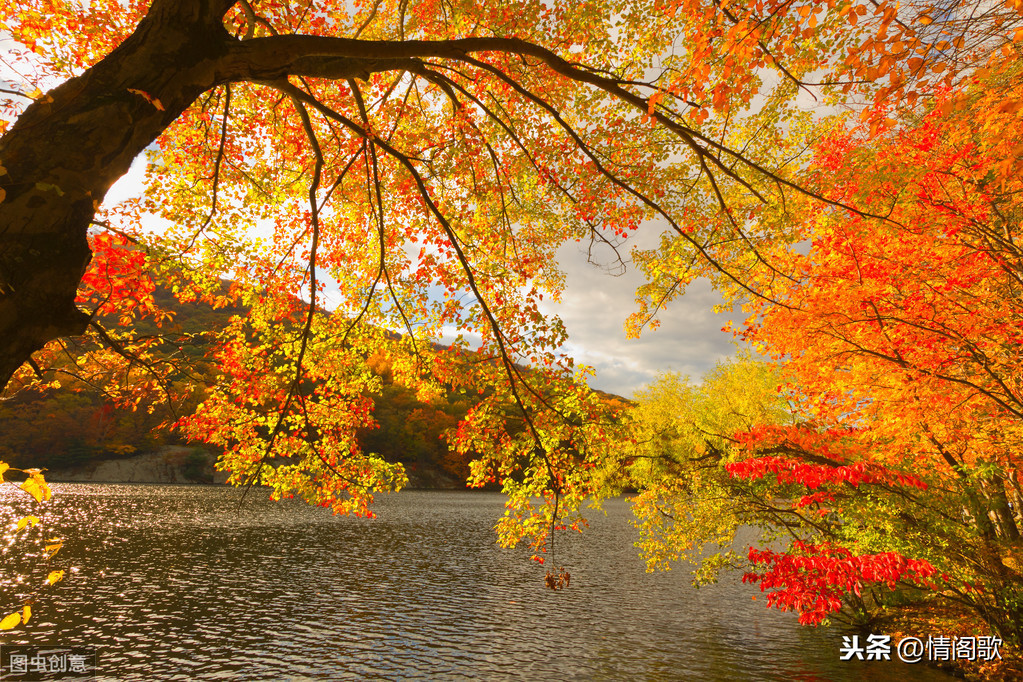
688	507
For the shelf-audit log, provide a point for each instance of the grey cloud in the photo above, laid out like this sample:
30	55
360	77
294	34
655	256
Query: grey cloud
594	307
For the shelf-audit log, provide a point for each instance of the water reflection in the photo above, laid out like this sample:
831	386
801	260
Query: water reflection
182	583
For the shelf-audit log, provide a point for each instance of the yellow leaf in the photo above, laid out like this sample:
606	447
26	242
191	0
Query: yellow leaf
10	622
35	485
26	521
44	488
31	487
54	548
47	186
26	613
4	466
55	576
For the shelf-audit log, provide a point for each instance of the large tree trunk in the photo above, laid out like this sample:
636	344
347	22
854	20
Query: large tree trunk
68	148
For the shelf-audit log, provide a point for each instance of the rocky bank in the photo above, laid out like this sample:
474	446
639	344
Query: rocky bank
169	464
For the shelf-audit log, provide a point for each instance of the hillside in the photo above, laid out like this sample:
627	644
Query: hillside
70	430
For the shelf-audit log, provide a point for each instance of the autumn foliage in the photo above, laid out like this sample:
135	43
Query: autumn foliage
815	579
375	176
25	534
921	306
895	327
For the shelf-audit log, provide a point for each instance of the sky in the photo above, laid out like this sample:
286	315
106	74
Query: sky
595	305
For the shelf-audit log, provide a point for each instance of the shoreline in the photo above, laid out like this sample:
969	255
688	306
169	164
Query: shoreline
183	465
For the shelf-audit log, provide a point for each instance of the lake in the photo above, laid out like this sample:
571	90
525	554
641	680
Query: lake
191	582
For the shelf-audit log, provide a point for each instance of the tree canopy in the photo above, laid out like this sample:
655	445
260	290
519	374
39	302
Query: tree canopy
845	170
896	338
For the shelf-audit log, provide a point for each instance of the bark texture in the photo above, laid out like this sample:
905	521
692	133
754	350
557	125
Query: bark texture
68	148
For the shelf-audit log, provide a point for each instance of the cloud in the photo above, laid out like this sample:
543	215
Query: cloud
595	305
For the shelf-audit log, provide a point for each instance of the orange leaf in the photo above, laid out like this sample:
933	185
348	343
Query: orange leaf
149	98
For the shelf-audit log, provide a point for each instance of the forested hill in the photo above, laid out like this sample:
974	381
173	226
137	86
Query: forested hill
62	429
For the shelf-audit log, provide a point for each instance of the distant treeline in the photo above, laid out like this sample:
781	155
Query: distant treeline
62	428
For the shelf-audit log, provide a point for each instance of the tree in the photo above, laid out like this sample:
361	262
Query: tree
480	135
688	507
898	337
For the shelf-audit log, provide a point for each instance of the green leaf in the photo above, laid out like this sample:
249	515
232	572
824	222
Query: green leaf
46	186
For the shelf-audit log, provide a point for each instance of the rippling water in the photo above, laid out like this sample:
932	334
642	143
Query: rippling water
182	583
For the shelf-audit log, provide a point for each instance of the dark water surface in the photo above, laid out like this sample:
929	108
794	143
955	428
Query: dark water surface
183	583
